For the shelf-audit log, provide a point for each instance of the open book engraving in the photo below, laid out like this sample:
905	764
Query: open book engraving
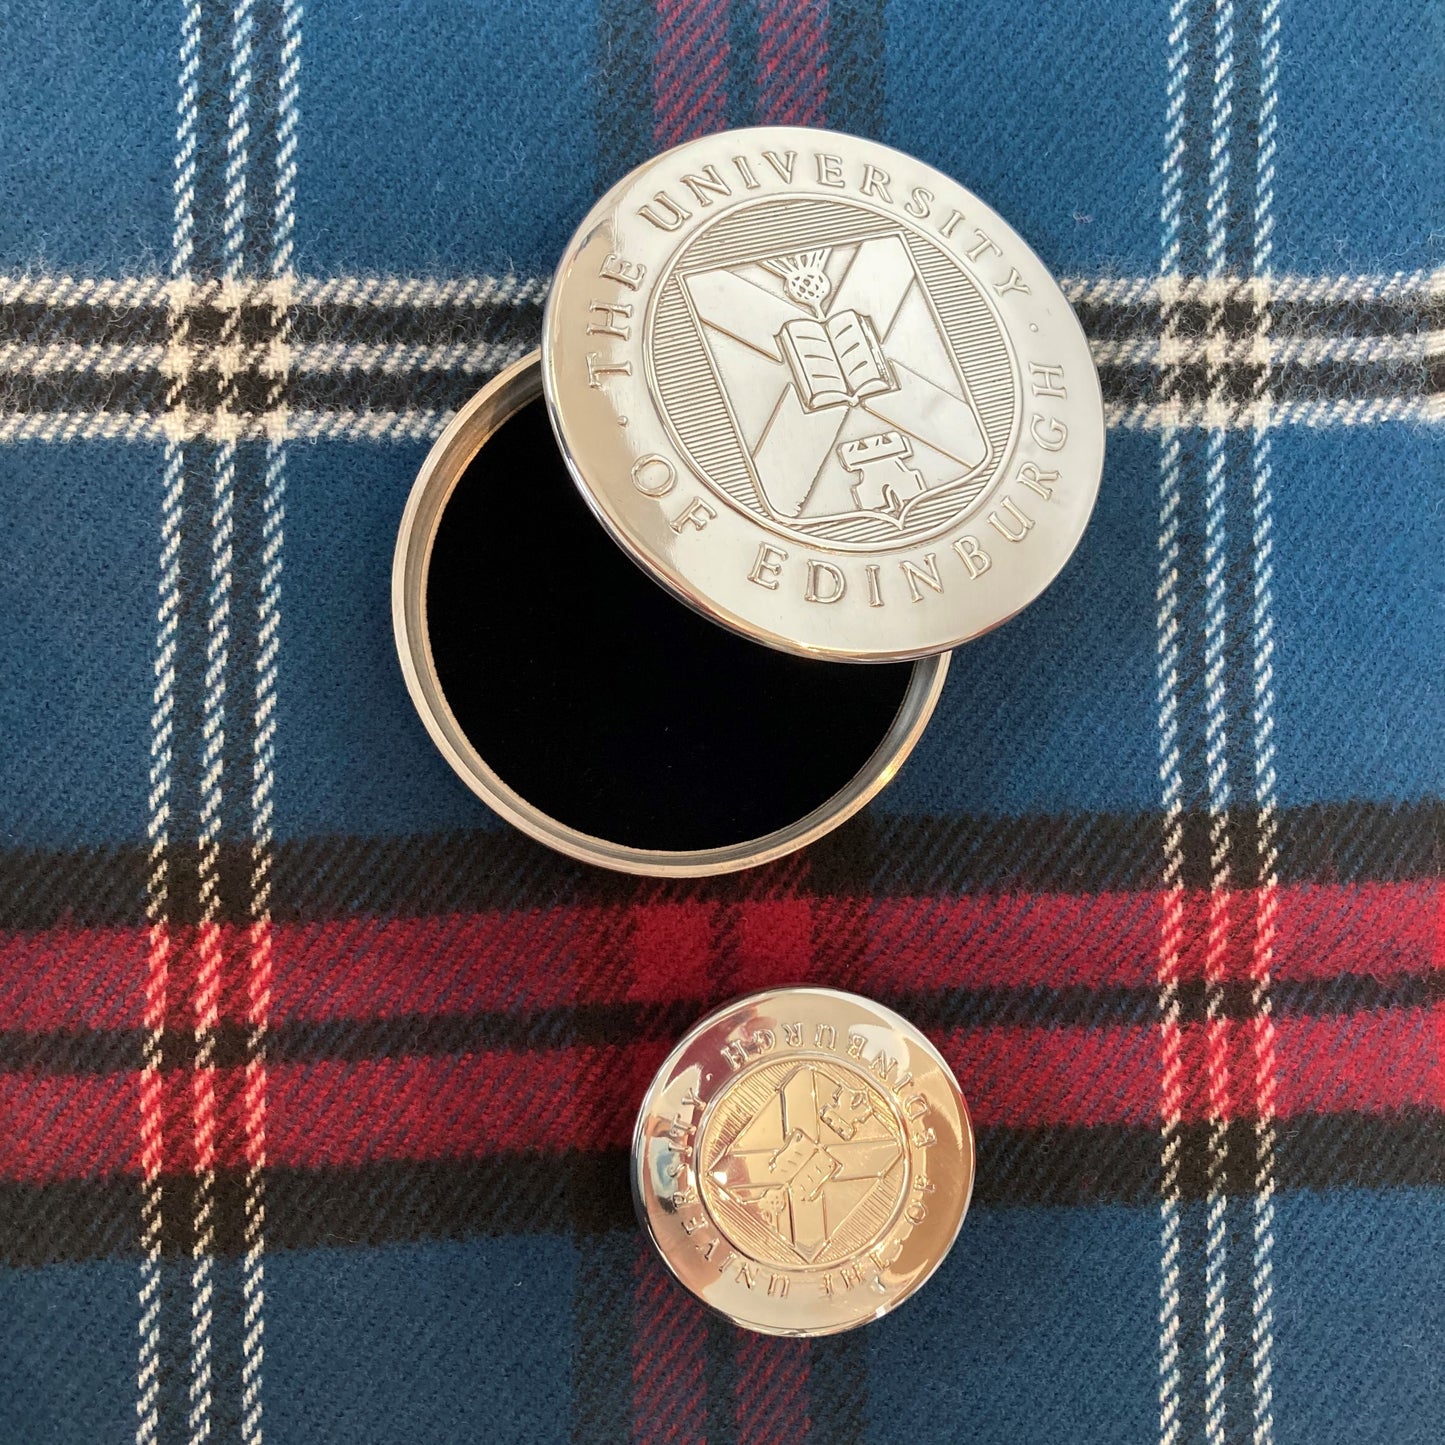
837	361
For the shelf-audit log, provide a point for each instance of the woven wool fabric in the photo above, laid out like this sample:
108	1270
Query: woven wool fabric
316	1081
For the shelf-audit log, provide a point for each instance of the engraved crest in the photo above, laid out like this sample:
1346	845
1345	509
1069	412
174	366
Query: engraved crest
838	407
823	393
813	1166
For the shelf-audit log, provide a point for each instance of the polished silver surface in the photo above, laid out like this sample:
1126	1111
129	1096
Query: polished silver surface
803	1161
822	392
448	459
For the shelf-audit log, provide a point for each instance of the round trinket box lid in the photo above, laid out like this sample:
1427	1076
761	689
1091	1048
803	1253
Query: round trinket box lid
803	1161
823	394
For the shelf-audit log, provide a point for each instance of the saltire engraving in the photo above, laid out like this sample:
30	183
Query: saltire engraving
812	1162
843	368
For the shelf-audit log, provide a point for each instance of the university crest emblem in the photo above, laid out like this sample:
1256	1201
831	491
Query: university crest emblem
818	1160
840	381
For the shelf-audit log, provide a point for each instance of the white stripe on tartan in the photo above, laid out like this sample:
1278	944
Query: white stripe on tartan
158	951
1267	893
485	292
162	740
1216	753
271	358
426	424
1266	350
1298	289
482	358
209	939
393	292
1171	927
268	641
373	293
213	731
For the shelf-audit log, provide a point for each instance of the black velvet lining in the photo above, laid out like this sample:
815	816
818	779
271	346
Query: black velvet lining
605	702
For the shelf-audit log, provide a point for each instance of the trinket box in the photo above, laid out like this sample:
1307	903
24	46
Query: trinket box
676	595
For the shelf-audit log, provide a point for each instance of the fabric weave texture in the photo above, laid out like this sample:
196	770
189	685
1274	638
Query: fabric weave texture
317	1082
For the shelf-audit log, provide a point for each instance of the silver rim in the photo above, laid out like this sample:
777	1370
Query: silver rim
468	432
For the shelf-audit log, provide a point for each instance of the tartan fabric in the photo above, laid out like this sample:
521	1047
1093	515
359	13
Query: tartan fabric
317	1082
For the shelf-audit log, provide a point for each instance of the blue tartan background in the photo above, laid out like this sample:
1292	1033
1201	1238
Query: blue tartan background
455	140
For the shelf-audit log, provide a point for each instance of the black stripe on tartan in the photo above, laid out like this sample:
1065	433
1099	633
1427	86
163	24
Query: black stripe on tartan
518	323
587	1196
873	855
838	1388
1244	146
742	23
451	320
1190	380
114	323
251	392
1325	381
1198	93
720	1378
112	1051
1238	678
187	767
624	53
212	109
515	326
1244	874
603	1225
263	160
344	392
855	40
447	321
1238	672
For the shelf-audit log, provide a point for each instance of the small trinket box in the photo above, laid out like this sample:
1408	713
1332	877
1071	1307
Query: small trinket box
803	1161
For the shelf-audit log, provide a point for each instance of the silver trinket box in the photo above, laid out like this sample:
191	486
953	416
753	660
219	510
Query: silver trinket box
834	410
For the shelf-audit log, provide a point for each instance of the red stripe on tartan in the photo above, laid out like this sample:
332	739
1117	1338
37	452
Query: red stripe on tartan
1109	940
689	70
466	1107
1366	1062
1011	941
792	63
1372	929
674	952
67	1127
669	1399
1374	1063
73	978
476	1105
773	1401
468	963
